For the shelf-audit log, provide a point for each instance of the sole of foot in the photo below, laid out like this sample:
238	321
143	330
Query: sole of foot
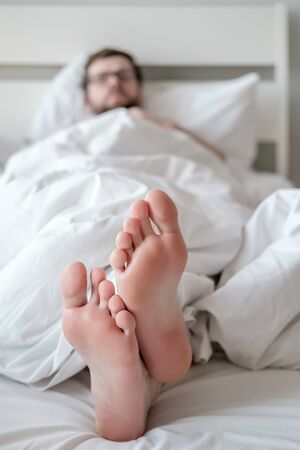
149	262
103	332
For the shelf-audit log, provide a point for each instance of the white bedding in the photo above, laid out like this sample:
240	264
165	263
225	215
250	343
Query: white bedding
255	313
218	406
68	196
64	199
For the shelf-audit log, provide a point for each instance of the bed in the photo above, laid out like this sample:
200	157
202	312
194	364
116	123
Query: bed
249	398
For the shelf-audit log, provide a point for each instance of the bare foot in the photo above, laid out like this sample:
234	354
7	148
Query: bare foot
103	332
148	268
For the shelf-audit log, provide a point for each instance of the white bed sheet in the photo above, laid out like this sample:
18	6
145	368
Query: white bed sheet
217	406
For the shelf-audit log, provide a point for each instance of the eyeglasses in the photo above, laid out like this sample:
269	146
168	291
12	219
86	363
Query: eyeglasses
125	76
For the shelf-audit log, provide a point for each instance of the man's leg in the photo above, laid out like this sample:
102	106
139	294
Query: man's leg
103	333
148	268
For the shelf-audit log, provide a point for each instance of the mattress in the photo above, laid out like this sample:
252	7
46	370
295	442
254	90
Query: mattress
216	406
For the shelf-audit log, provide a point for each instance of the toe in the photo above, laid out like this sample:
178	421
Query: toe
132	226
126	321
115	305
140	210
106	291
97	275
162	211
73	285
118	260
124	240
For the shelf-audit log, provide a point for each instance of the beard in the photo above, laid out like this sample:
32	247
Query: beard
127	105
124	102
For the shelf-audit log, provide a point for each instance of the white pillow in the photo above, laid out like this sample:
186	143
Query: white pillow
223	113
63	104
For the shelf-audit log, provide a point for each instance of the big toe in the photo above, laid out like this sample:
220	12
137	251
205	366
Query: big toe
73	285
162	211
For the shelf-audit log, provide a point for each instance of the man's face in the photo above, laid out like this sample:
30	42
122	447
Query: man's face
111	83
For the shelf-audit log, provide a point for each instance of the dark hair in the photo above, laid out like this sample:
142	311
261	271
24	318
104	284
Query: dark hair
105	53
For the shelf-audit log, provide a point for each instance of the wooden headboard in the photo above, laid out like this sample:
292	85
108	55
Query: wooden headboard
38	40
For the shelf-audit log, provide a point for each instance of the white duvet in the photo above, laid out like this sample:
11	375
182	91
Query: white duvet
255	314
65	198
